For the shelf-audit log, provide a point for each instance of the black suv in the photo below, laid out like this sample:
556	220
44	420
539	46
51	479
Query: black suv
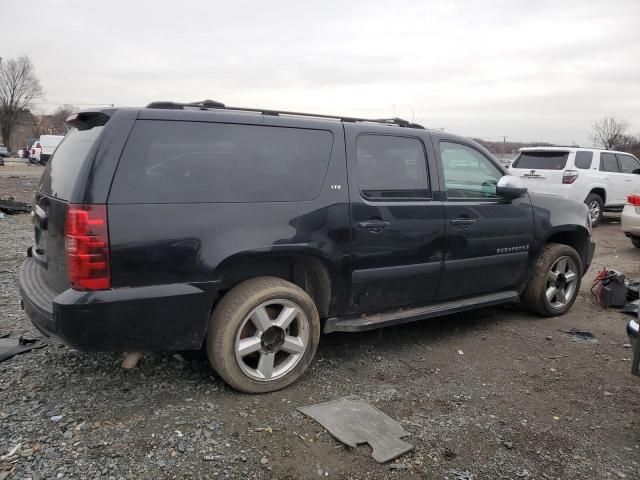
175	226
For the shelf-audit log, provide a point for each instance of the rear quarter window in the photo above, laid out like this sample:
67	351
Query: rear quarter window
583	160
193	162
62	168
541	160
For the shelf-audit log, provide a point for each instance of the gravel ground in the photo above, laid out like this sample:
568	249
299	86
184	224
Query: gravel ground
491	394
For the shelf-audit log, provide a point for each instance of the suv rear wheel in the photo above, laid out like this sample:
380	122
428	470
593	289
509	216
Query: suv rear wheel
263	335
596	205
554	285
635	241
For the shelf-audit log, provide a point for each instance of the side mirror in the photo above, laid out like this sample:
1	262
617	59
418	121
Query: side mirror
510	187
636	171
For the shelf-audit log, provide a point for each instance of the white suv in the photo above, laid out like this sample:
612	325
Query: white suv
600	178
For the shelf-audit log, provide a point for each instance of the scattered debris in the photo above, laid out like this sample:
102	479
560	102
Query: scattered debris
632	308
354	422
11	206
57	418
11	346
460	352
548	337
609	289
131	360
580	335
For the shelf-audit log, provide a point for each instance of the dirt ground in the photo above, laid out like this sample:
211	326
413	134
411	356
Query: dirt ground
491	394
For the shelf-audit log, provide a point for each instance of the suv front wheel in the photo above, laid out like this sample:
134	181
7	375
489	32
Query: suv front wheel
555	281
263	335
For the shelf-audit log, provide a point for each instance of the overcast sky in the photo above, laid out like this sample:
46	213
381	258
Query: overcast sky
530	70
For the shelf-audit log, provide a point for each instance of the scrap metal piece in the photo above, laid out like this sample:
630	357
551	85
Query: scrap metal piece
12	346
354	422
11	206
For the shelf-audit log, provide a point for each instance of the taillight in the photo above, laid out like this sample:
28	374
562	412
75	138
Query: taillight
634	200
87	247
569	176
33	151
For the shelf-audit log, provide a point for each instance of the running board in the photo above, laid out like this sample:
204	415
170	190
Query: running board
398	317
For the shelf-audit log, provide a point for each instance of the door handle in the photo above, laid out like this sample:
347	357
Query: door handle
628	180
374	226
463	222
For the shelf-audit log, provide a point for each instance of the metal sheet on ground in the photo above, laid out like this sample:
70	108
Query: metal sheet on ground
355	422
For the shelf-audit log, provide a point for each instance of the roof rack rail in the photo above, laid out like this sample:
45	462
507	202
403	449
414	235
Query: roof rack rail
212	104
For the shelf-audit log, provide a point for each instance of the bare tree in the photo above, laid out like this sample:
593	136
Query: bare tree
37	125
609	132
59	117
19	88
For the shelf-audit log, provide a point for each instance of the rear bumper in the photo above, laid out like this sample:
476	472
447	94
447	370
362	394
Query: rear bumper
630	220
156	318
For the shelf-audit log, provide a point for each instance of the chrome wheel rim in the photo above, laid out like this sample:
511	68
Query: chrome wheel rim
272	340
594	210
562	281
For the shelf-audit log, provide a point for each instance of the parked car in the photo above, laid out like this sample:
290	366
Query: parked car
48	144
34	154
631	218
248	231
600	178
4	151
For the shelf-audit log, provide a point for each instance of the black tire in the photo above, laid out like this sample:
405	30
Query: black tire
535	294
635	241
230	314
594	198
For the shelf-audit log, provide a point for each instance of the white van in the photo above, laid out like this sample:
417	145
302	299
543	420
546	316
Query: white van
48	144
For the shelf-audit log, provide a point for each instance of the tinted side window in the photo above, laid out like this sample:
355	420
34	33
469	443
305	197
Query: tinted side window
627	163
189	162
583	159
608	162
391	167
467	172
60	173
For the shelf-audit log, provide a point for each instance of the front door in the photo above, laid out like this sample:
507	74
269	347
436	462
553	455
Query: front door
487	237
397	229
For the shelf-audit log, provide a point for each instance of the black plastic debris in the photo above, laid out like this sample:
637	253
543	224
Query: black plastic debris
580	335
11	206
632	308
15	346
633	289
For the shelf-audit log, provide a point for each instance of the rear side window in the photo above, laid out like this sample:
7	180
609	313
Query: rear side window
192	162
391	167
60	173
541	160
583	160
608	162
627	163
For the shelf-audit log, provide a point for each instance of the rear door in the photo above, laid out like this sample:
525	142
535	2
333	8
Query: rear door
541	170
613	178
487	237
397	226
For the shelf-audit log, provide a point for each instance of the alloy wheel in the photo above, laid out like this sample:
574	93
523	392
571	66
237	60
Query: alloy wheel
272	340
562	280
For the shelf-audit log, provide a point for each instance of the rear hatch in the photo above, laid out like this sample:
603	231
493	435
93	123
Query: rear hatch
541	170
54	191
